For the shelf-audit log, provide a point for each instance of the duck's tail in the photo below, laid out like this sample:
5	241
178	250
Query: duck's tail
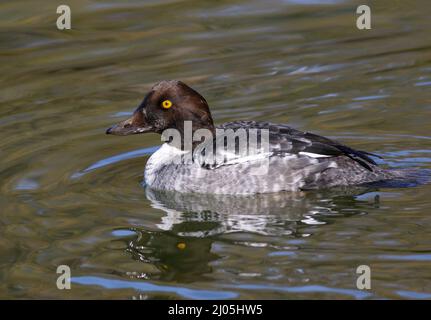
403	178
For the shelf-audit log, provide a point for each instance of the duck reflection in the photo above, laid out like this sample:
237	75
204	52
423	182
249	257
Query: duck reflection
177	258
283	213
183	247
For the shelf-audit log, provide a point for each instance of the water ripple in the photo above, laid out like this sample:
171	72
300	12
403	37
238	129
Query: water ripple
150	287
357	294
114	159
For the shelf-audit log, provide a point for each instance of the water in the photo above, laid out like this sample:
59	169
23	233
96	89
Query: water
72	195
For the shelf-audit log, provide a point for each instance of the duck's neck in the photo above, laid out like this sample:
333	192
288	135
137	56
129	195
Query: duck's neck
189	135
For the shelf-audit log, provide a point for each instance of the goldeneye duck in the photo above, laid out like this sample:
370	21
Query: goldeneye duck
293	161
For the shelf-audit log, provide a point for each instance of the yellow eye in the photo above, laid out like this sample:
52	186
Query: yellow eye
167	104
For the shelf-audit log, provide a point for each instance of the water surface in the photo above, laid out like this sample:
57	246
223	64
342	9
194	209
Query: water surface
71	195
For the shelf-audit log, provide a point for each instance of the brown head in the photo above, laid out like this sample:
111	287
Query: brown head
167	106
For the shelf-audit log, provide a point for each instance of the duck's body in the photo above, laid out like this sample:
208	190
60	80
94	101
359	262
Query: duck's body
296	161
293	160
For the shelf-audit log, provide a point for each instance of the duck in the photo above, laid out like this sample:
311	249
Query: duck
283	158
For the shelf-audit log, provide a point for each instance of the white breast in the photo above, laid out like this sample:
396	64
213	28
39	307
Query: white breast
164	155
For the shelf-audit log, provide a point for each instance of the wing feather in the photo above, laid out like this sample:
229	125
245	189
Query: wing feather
284	141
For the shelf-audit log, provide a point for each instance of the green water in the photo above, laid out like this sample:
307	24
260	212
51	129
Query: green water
71	195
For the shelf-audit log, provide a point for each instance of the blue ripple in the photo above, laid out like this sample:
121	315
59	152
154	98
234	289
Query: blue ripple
150	287
120	157
414	294
358	294
407	257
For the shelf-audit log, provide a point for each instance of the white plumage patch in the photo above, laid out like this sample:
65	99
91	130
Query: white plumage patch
163	156
314	155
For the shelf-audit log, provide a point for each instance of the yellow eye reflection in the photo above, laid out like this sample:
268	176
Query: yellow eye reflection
167	104
181	245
